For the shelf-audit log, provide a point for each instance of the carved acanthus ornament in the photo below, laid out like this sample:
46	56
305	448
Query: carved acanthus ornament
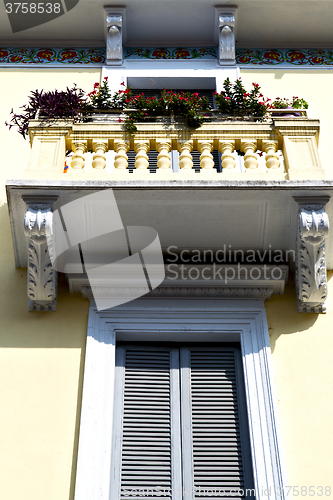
42	278
311	275
226	27
114	38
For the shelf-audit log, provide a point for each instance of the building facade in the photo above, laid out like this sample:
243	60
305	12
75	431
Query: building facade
166	302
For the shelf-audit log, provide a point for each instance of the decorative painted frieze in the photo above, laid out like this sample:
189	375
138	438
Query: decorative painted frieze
45	56
286	57
96	56
42	278
311	277
170	53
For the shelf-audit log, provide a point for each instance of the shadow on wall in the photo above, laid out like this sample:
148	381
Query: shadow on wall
28	339
283	317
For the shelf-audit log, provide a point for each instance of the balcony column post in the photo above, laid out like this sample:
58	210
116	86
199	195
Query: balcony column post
206	158
121	159
78	159
163	159
250	158
272	159
226	148
185	159
99	158
141	148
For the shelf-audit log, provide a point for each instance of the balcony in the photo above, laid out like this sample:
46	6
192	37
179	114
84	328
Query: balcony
278	149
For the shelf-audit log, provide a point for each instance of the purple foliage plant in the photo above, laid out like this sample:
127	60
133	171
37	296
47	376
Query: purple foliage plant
49	105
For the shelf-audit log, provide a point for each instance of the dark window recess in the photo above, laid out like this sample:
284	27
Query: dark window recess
152	155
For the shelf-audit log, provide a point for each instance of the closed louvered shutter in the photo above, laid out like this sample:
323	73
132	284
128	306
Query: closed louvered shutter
179	424
146	421
214	395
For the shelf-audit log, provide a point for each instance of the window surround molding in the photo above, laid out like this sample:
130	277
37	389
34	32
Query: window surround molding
181	320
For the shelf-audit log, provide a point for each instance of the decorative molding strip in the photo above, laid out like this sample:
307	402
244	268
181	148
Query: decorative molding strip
59	56
311	277
171	53
289	57
42	277
195	281
97	56
208	292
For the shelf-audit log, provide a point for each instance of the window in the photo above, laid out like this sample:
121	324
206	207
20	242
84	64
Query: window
180	424
192	322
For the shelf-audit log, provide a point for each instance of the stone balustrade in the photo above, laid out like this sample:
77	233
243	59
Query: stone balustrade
279	149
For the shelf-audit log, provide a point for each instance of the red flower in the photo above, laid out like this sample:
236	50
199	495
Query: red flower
244	59
3	53
317	60
96	59
297	56
160	54
68	54
106	78
272	55
45	54
182	54
15	58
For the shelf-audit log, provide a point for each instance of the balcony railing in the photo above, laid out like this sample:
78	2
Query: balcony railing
279	149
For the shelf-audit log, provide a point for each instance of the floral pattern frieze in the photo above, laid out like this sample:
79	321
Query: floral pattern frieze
171	53
52	56
289	57
96	56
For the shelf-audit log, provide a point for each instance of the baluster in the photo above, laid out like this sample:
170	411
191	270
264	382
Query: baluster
206	159
99	158
121	159
226	148
250	158
78	159
185	159
272	159
141	160
163	158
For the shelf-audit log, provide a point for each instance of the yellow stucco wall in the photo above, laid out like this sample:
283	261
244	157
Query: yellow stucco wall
302	346
314	86
41	354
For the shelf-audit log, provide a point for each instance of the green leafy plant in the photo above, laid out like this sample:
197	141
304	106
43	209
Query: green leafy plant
284	103
101	98
234	100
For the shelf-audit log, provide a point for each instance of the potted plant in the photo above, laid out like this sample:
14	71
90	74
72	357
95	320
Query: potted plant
49	105
290	104
235	101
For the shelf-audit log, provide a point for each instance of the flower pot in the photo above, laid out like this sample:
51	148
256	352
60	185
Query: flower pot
286	113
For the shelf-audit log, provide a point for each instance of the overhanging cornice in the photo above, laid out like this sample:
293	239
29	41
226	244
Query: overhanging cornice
258	215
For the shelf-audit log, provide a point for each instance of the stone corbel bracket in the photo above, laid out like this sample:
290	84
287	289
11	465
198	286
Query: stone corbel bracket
115	35
311	277
42	277
226	23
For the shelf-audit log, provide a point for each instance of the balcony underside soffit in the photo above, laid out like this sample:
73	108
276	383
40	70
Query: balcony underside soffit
251	224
